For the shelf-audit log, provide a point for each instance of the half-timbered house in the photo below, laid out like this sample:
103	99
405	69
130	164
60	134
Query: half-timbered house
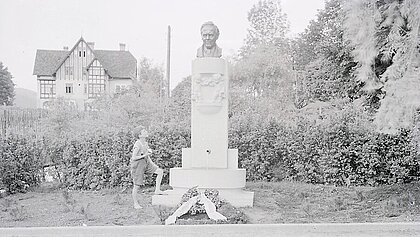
83	73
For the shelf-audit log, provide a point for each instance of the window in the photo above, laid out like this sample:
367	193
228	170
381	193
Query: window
121	88
47	89
96	80
84	54
69	70
69	88
85	88
71	103
80	53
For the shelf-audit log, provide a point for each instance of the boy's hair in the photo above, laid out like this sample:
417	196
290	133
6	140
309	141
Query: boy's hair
137	130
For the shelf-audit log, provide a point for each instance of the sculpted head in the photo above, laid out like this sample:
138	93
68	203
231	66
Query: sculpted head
209	34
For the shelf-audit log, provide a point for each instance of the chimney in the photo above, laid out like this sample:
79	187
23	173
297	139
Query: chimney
91	45
66	48
122	47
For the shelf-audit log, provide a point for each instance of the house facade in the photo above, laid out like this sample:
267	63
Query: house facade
82	74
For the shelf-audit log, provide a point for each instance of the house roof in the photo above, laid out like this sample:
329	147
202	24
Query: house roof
118	64
121	64
48	61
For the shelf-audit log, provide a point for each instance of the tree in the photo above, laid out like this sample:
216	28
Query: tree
262	77
262	84
323	58
7	87
361	32
268	25
151	78
61	120
142	104
385	37
179	107
266	72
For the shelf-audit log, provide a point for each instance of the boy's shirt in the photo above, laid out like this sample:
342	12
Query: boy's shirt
142	148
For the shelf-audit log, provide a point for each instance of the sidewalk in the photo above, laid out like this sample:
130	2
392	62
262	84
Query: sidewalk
325	230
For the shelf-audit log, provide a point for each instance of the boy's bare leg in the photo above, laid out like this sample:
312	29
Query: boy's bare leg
159	177
135	197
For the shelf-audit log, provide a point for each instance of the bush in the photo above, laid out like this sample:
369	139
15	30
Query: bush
338	151
258	150
167	144
96	161
20	164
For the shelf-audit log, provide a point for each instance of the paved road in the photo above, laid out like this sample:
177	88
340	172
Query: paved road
325	230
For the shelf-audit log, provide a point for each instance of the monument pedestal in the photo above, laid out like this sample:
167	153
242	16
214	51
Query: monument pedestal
208	163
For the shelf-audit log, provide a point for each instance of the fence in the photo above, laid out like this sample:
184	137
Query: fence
20	121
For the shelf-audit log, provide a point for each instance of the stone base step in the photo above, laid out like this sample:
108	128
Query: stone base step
236	197
207	178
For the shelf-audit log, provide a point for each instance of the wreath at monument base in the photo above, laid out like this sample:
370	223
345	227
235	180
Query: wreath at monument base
219	212
198	207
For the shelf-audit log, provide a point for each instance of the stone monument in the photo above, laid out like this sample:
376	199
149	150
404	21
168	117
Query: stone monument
209	163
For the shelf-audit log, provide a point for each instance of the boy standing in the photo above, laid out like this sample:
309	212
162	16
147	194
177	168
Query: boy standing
141	163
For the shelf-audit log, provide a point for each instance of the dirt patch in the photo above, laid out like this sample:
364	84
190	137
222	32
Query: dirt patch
75	208
284	202
292	202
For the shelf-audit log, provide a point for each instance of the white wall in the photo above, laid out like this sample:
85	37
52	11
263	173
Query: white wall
112	84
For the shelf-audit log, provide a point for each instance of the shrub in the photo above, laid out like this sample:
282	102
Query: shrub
167	144
102	160
339	151
20	163
97	161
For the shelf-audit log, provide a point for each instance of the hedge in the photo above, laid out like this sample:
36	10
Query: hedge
20	164
98	161
339	155
336	153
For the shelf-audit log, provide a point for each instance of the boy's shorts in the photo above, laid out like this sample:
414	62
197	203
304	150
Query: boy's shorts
139	167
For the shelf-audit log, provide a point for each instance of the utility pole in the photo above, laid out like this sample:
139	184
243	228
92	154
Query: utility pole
168	64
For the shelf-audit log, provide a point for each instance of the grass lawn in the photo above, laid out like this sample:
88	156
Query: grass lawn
284	202
288	202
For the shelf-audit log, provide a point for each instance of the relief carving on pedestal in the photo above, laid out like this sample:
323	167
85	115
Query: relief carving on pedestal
209	89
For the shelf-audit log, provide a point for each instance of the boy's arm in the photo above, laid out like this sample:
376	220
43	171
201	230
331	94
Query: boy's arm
135	157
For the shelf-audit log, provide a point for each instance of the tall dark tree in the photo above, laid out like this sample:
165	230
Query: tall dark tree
322	58
7	87
385	37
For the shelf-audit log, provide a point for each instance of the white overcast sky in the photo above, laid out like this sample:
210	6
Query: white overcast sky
28	25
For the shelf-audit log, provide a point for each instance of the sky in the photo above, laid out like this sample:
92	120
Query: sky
28	25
